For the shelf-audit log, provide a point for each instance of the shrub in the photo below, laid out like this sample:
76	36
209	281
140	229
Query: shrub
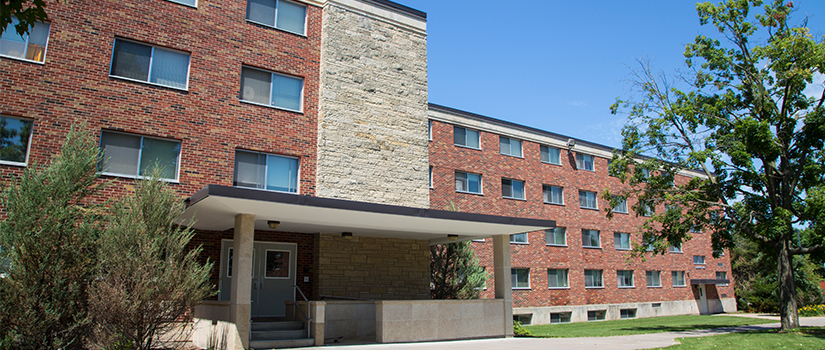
520	331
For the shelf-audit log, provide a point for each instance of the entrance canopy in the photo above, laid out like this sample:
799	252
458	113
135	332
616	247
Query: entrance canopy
214	208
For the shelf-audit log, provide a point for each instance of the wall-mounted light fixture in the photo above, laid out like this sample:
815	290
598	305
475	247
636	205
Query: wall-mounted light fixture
347	235
453	237
273	224
571	143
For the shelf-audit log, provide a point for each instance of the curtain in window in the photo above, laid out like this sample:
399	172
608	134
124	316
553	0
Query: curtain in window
291	16
250	169
255	85
261	11
556	195
170	68
160	153
281	174
286	92
131	60
37	42
120	153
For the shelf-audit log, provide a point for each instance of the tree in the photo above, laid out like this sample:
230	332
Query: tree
26	12
49	240
744	120
148	279
454	270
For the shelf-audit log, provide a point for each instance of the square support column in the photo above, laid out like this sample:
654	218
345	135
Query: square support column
503	279
240	302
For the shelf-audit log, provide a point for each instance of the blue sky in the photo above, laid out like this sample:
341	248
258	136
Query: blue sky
558	65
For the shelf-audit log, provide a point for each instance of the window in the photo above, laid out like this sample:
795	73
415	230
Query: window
646	210
520	238
596	315
132	156
621	241
587	200
621	207
590	239
654	278
430	129
271	89
557	278
556	236
523	319
286	15
675	248
627	313
266	171
678	278
699	259
186	2
646	173
593	279
550	155
510	147
29	47
149	64
624	278
466	137
695	229
431	177
467	182
560	317
649	244
521	278
721	275
14	140
553	194
584	162
512	189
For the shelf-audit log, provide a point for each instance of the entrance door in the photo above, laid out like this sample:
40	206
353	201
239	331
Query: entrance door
703	300
273	276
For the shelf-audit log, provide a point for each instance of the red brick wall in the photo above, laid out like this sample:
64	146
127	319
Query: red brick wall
537	256
74	85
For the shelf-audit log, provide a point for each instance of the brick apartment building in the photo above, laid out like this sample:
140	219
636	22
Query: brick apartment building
297	131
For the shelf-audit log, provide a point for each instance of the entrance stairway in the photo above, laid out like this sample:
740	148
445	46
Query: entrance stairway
279	335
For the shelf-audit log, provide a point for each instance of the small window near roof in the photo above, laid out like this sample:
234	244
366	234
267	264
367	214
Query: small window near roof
29	47
513	189
133	156
15	139
466	137
150	64
285	15
584	162
550	155
467	182
271	89
266	171
510	147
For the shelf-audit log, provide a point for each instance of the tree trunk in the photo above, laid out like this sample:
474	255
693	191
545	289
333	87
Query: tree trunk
787	288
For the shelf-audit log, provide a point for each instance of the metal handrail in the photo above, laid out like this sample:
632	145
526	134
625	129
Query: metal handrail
309	307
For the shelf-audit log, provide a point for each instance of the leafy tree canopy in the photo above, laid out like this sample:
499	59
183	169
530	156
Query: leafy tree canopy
27	12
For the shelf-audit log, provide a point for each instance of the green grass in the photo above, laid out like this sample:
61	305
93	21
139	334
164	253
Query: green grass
640	326
803	338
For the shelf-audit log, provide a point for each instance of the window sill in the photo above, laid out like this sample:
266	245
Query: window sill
10	163
186	89
559	204
264	189
180	3
26	60
556	245
590	170
654	286
624	249
271	106
675	252
137	177
588	208
473	193
627	287
525	243
589	247
551	163
522	288
593	287
467	147
682	286
514	198
510	155
279	29
620	212
558	288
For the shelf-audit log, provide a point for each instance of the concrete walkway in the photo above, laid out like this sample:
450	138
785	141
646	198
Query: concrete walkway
625	342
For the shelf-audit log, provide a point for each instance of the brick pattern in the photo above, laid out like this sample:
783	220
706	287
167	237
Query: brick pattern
446	158
373	268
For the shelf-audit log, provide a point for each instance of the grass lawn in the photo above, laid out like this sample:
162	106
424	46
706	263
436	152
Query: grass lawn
640	326
804	338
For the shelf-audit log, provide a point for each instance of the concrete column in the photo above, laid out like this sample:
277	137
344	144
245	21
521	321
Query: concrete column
240	302
504	284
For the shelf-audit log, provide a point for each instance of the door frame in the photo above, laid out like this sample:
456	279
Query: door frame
223	268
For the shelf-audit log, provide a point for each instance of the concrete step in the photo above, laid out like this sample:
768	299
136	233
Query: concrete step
281	344
278	326
278	335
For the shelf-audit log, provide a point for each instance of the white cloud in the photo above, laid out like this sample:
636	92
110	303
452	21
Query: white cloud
814	89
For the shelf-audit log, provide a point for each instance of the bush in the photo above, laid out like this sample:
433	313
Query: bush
812	310
520	331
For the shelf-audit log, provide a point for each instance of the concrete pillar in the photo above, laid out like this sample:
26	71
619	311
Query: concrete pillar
504	283
240	302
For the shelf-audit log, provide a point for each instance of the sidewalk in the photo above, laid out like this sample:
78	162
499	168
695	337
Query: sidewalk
625	342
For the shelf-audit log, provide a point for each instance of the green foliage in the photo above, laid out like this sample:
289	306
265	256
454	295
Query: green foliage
49	238
147	278
520	331
28	12
741	121
812	310
454	272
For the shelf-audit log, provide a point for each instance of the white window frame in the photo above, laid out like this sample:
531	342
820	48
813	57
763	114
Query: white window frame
430	129
649	276
675	278
699	260
517	269
512	188
600	275
589	234
185	4
480	183
272	76
617	241
675	249
478	136
547	193
140	153
275	20
541	152
723	276
510	150
566	275
514	238
266	170
621	278
28	145
595	200
45	48
581	164
151	58
552	232
621	208
431	176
